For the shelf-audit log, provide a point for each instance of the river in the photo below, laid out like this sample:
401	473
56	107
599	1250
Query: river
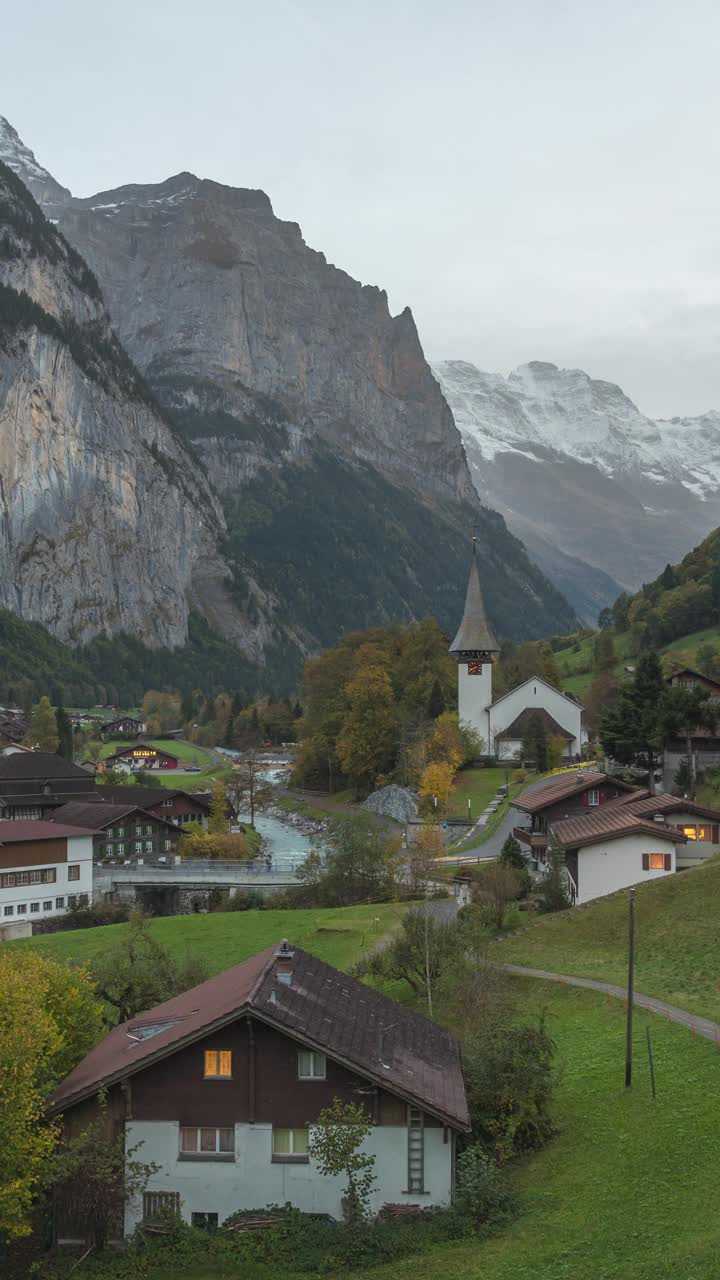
287	846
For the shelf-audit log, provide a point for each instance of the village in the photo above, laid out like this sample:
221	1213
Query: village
231	1069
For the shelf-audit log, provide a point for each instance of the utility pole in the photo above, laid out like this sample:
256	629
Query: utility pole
631	980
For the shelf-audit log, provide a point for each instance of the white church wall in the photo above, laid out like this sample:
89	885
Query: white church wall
536	693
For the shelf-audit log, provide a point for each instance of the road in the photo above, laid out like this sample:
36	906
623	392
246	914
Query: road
491	847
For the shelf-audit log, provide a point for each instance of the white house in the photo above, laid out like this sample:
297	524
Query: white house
613	848
46	868
502	724
224	1083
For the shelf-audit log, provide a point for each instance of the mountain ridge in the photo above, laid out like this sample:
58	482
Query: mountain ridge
575	467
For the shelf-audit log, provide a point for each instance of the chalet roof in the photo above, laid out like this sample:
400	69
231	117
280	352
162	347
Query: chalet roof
697	675
140	746
323	1008
110	724
36	829
647	805
39	765
607	823
474	634
563	787
520	725
146	796
98	814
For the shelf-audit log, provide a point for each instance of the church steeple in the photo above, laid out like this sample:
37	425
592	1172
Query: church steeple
474	640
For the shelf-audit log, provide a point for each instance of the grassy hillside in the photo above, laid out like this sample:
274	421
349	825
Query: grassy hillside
225	938
575	663
676	940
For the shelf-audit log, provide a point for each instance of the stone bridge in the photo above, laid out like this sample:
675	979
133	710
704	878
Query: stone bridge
186	886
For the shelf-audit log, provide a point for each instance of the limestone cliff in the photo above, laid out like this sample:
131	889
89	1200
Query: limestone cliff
105	517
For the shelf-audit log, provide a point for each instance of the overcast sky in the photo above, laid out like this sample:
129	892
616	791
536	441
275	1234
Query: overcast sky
537	179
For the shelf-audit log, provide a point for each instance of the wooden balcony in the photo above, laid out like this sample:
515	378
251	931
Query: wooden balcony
534	839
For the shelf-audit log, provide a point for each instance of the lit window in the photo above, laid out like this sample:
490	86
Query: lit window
218	1064
74	871
311	1065
593	798
195	1141
289	1144
657	861
703	833
690	832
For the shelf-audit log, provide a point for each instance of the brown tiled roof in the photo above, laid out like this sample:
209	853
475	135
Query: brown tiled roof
98	815
646	805
145	796
606	823
324	1008
39	765
520	724
563	787
32	829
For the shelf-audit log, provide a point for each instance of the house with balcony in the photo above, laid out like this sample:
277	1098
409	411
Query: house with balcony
223	1084
178	807
561	797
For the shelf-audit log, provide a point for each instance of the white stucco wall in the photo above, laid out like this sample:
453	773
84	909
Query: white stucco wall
252	1180
536	693
474	698
79	851
603	868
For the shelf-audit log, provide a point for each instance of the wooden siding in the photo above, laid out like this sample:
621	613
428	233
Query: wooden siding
32	853
264	1087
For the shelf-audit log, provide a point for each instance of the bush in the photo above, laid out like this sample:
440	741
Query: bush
481	1195
519	775
510	1077
89	917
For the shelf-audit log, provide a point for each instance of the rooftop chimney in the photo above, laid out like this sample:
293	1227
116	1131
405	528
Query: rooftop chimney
283	963
579	776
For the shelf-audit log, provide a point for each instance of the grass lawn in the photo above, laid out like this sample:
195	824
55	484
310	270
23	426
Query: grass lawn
625	1190
186	751
479	786
676	940
225	938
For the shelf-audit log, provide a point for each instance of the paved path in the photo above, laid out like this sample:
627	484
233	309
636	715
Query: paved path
703	1026
491	847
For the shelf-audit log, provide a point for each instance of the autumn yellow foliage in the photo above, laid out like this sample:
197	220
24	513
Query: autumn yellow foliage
48	1021
435	784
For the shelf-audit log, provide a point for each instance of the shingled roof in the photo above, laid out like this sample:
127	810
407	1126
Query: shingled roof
98	814
607	823
474	634
323	1008
521	724
40	765
645	805
565	785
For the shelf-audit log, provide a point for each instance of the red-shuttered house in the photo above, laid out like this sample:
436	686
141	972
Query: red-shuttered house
563	797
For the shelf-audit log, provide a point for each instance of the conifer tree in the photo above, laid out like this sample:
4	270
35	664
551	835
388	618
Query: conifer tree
64	732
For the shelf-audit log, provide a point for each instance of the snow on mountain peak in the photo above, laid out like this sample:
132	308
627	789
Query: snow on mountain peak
21	160
540	407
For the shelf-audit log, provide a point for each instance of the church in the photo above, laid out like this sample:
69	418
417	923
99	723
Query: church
503	723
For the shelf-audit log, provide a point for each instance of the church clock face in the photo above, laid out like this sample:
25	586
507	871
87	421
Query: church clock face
475	668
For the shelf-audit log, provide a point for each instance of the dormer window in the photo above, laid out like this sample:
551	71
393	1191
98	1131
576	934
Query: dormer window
593	798
218	1064
311	1065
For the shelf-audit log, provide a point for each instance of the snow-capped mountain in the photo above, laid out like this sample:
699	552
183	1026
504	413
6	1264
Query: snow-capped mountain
21	160
579	471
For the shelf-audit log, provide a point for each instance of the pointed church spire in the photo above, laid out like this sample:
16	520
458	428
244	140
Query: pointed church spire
474	638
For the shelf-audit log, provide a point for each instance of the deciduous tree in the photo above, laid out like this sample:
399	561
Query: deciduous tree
218	821
367	742
335	1141
43	735
138	972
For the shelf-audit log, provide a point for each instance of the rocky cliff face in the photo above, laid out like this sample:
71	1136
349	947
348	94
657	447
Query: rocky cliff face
106	519
602	496
228	312
346	494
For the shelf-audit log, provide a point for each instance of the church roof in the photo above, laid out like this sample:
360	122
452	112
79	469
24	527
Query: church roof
521	724
474	634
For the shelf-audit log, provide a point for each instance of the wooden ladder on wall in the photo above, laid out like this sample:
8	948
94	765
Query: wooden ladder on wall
416	1150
